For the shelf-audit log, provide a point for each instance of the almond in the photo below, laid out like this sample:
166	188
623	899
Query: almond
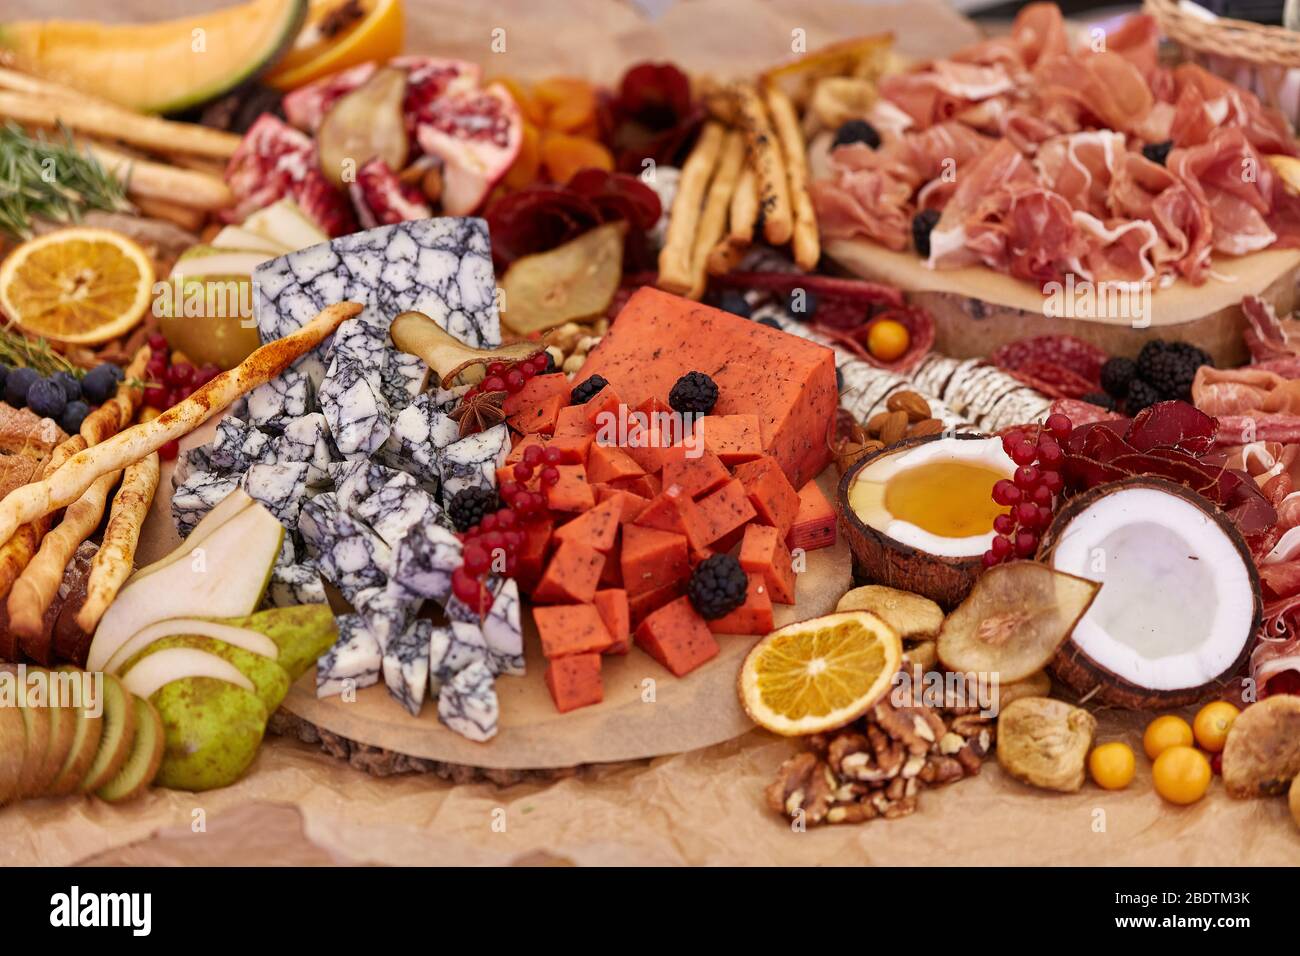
895	427
877	422
917	408
929	426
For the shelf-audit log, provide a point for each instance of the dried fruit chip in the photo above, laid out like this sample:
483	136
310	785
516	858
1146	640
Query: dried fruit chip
417	334
564	155
1262	753
1014	620
1044	742
914	617
573	281
365	124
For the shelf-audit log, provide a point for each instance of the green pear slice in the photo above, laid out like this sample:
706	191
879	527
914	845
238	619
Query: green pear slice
37	722
213	732
85	745
142	762
246	638
13	752
301	632
63	728
156	670
225	576
284	223
269	680
117	737
238	239
224	510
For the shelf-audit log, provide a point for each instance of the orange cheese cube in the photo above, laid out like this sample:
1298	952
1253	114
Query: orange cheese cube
571	575
724	511
630	505
602	409
763	554
677	637
609	463
697	476
640	605
572	420
574	681
572	492
615	612
537	539
571	629
647	486
536	406
733	438
752	617
597	528
814	522
770	492
652	558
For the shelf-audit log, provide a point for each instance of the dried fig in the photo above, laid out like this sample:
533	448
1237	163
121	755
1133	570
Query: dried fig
1262	753
914	617
1045	743
1014	620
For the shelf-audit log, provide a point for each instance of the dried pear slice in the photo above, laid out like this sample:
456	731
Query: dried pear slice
418	335
574	281
1014	620
914	617
1044	742
1037	684
365	124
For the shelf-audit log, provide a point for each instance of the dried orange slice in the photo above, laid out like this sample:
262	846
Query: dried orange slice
817	675
79	286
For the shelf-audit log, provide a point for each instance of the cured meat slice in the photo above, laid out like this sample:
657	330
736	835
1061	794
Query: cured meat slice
1237	185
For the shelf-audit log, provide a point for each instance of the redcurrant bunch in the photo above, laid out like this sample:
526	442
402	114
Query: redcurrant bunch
169	383
1030	494
510	376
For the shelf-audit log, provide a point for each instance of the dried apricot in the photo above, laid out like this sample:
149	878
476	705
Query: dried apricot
523	172
562	156
570	103
531	110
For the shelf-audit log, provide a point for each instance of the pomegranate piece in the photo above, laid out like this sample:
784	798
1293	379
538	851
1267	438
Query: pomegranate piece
276	160
426	78
381	199
306	106
477	135
365	124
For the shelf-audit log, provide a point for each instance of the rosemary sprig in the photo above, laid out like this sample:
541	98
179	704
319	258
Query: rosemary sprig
18	351
47	179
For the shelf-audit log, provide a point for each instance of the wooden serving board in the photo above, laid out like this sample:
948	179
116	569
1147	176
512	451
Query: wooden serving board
976	310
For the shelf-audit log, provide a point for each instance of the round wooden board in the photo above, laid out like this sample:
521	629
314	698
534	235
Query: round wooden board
646	712
976	310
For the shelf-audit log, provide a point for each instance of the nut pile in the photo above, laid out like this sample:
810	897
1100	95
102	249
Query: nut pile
877	766
907	415
570	343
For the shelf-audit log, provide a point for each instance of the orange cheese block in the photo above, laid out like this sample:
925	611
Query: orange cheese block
788	382
602	410
652	558
677	637
537	539
814	523
574	681
571	629
572	492
674	511
640	605
521	445
571	575
572	420
536	406
615	612
770	492
733	438
630	505
699	475
647	486
752	617
724	511
597	528
610	463
763	555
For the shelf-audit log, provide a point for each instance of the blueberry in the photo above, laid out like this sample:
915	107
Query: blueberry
70	383
4	373
16	385
100	383
857	131
770	323
73	416
46	398
734	302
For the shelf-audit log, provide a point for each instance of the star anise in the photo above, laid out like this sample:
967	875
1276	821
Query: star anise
479	412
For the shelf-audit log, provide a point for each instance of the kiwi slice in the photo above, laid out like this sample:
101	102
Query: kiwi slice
115	742
142	762
914	617
63	728
13	752
1014	620
37	722
87	730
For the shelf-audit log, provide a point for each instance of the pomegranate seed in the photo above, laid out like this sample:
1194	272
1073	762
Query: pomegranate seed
492	540
168	451
1001	547
1044	517
155	396
1059	426
527	370
550	475
552	456
523	471
509	490
158	343
493	383
522	503
181	374
514	540
1027	477
476	559
1026	543
1005	492
515	380
1011	439
1050	455
1023	453
533	455
1004	524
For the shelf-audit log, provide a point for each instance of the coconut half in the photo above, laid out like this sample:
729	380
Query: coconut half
1179	603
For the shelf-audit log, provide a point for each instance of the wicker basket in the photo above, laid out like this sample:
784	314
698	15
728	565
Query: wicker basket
1257	57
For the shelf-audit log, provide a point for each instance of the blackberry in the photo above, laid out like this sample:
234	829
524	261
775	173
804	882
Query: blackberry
1101	400
1170	367
718	586
856	131
1158	152
694	392
1141	395
923	224
1116	375
588	390
469	505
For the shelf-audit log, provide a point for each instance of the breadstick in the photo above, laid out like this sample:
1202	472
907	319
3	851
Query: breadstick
713	219
21	546
159	182
113	562
769	168
726	255
744	208
31	501
805	242
675	259
39	583
108	122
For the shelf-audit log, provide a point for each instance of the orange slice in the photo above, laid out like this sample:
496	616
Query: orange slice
817	675
377	36
78	286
